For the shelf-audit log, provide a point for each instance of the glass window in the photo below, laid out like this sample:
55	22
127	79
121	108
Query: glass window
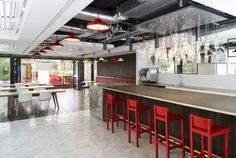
4	69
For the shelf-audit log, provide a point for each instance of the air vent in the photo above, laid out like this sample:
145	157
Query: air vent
11	14
8	46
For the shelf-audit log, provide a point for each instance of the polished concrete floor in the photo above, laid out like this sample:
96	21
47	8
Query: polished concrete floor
70	133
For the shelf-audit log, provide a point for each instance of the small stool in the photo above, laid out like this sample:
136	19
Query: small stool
163	114
134	106
112	111
204	127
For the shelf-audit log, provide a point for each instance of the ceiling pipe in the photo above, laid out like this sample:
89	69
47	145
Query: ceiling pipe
143	8
90	14
130	8
76	30
119	37
85	15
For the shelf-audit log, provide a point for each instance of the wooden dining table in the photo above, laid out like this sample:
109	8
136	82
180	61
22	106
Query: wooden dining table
24	84
29	87
12	95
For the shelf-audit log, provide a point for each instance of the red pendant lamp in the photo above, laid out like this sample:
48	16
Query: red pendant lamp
57	44
36	55
47	49
114	59
72	37
42	51
98	25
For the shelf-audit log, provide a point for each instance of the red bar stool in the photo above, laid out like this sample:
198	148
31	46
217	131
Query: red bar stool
205	128
121	117
163	114
134	106
112	111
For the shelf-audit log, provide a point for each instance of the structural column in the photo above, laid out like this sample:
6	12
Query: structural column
15	74
92	71
80	73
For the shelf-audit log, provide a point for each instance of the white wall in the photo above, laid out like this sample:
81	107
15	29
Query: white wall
47	66
206	81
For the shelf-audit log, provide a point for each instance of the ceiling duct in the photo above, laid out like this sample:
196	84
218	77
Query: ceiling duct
75	30
142	8
119	37
90	14
121	50
82	33
130	8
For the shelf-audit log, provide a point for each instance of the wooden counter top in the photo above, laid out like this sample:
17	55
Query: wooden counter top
210	102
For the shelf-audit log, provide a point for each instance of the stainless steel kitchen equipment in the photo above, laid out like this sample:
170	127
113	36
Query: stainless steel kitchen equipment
148	75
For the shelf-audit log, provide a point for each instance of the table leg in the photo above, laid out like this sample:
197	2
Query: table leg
57	101
54	101
10	105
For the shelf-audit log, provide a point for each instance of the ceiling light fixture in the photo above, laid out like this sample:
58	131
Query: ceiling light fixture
98	25
36	55
86	61
114	59
120	59
57	44
42	51
72	37
101	59
47	49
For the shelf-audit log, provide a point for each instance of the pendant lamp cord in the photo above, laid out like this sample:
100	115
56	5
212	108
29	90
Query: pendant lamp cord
71	30
98	11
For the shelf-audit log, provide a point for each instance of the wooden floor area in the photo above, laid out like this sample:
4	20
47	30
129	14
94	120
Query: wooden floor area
69	101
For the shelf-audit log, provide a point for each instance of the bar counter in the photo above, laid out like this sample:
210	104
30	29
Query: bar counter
210	102
220	108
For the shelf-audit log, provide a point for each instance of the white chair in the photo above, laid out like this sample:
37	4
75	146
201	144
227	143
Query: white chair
3	108
19	87
22	90
19	84
45	97
36	98
24	98
39	89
